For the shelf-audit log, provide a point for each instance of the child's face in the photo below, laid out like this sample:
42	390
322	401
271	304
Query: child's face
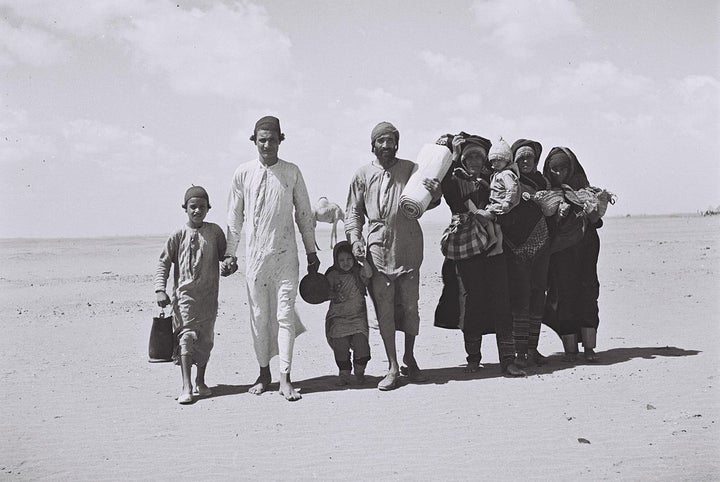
196	209
345	261
498	164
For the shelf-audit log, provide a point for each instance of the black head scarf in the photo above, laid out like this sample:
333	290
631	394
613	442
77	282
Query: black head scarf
576	178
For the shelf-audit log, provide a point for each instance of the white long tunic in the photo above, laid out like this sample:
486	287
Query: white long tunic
265	200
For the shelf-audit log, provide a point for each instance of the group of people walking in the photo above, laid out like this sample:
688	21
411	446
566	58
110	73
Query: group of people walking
508	266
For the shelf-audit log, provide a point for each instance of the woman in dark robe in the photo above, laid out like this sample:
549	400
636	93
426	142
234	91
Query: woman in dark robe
526	234
475	292
571	307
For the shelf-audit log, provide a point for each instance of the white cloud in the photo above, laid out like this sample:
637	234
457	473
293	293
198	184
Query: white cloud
31	46
522	27
592	82
697	113
375	105
229	50
448	68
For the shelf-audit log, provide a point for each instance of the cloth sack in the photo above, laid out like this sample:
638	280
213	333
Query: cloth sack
433	163
548	200
464	238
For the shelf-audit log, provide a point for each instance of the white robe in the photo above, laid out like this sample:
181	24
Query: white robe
263	199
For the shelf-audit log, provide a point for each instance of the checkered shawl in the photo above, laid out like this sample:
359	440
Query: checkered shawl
464	238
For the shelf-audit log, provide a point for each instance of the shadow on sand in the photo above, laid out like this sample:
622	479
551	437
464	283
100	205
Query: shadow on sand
441	376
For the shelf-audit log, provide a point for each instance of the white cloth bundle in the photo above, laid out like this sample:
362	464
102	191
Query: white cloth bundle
433	162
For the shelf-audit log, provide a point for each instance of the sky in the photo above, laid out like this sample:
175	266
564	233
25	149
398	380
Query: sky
111	109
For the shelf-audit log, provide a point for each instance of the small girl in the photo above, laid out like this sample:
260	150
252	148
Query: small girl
504	188
196	250
346	323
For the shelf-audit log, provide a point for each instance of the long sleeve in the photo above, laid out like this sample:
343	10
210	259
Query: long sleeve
221	244
235	217
304	213
162	270
505	192
355	210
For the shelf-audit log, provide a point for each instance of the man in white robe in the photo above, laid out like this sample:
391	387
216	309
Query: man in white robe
266	194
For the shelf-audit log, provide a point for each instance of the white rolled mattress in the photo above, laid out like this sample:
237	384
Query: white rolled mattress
433	162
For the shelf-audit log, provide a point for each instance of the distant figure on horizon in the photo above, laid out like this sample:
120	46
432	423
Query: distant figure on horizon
196	249
327	212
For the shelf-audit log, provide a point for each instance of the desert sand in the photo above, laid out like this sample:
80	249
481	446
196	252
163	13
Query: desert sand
81	402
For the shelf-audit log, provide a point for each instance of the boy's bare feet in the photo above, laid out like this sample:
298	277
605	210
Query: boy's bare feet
287	390
201	390
390	382
185	396
262	383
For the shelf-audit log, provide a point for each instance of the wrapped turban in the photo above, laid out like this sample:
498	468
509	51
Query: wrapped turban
381	129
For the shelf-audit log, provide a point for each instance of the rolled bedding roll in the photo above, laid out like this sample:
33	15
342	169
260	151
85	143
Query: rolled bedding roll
433	163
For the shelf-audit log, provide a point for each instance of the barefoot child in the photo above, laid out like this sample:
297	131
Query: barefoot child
504	188
196	250
346	323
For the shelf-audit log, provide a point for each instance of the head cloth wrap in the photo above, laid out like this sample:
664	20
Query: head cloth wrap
381	129
564	157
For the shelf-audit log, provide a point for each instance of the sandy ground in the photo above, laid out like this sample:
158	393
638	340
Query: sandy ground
80	401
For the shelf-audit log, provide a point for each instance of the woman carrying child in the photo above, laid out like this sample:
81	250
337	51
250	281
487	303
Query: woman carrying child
526	234
571	308
195	251
481	275
346	323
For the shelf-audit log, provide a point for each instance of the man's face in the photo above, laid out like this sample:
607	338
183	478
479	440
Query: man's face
267	143
385	147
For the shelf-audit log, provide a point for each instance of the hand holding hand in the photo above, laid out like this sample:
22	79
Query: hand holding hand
162	299
228	266
358	249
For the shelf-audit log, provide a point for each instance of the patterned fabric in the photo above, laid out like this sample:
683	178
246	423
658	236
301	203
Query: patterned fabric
464	238
535	242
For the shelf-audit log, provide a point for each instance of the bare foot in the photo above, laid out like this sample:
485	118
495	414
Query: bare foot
201	390
261	384
185	396
287	390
